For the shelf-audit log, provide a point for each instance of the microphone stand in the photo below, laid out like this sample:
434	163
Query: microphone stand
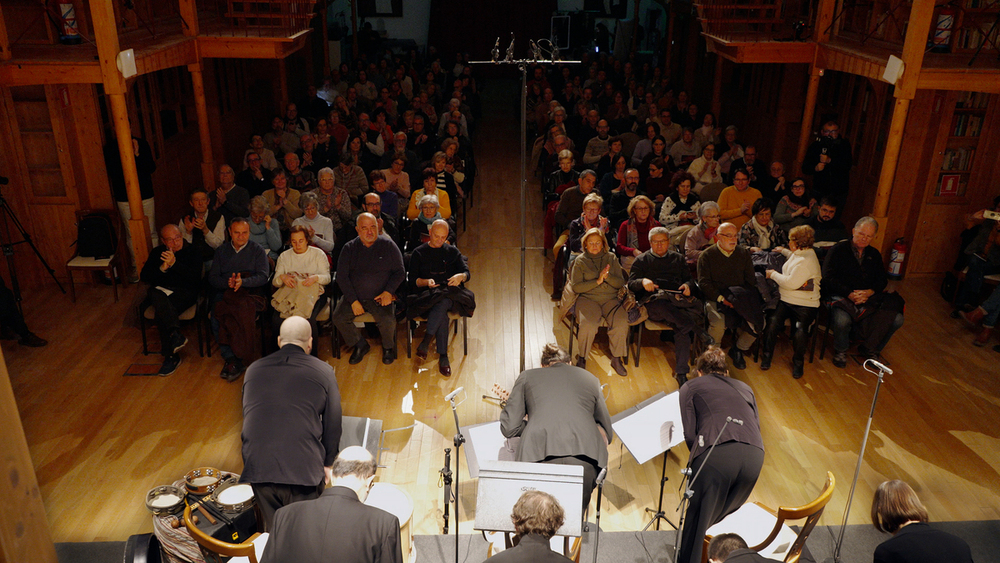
459	440
600	491
857	470
689	492
446	480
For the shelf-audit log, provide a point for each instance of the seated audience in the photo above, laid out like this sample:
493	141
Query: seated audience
829	229
597	146
772	185
983	259
300	178
708	132
590	218
657	184
536	517
736	201
437	274
727	280
283	202
615	179
685	150
795	207
562	178
761	233
571	200
596	278
369	271
264	228
397	180
386	224
681	206
430	187
633	235
645	145
445	179
617	210
239	270
351	178
320	226
705	168
854	281
203	228
266	155
301	276
704	232
334	201
798	283
748	162
728	152
173	273
661	268
229	199
256	177
897	510
389	200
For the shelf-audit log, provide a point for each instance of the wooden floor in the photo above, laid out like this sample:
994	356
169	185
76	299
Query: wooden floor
99	440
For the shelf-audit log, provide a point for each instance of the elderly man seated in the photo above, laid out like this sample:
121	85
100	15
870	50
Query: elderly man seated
203	228
369	272
229	199
437	274
726	275
173	273
239	270
854	280
662	276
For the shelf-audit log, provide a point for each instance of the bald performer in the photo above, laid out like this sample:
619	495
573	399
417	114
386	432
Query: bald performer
291	422
337	526
173	272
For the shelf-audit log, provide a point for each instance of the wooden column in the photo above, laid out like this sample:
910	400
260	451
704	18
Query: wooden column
717	86
189	17
204	133
906	88
106	35
24	529
805	134
668	58
4	40
283	85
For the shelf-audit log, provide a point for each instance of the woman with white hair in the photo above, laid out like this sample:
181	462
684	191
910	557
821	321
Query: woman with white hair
430	211
321	227
301	276
596	278
702	235
334	202
264	228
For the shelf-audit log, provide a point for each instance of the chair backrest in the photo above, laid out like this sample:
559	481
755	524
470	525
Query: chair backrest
678	235
219	547
711	192
811	512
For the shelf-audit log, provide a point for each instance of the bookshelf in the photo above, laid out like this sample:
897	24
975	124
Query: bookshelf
964	116
974	22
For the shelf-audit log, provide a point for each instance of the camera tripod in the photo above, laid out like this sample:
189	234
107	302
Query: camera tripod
8	250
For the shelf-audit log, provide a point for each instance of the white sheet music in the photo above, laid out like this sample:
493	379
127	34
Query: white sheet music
653	429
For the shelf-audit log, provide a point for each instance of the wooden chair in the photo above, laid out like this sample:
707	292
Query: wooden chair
412	324
216	550
197	313
335	339
106	265
574	331
647	325
766	532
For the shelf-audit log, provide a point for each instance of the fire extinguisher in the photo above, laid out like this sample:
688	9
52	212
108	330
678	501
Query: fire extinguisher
70	32
942	29
896	259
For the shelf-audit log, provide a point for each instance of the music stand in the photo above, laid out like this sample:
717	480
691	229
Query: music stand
650	428
501	484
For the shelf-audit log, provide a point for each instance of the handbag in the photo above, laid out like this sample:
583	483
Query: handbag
636	311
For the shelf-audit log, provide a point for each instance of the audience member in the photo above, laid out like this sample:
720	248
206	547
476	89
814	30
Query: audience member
203	228
828	160
633	235
681	206
301	276
430	187
256	179
728	152
229	199
795	207
334	201
736	201
727	280
264	228
704	233
283	202
897	510
321	227
684	151
761	233
173	273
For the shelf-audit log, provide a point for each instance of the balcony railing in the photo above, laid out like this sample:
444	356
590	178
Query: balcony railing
258	18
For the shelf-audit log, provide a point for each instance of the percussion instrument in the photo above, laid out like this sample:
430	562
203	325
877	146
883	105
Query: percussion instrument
165	499
232	497
203	480
395	501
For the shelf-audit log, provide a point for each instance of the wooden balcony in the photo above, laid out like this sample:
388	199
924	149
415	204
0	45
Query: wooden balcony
752	32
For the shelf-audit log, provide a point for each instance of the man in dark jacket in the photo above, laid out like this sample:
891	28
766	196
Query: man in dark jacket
723	266
174	281
828	160
660	268
854	274
536	516
337	526
291	423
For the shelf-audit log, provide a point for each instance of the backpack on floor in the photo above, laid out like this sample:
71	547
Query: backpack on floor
96	237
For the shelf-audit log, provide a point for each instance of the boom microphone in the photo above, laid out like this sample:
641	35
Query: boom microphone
734	420
451	395
880	366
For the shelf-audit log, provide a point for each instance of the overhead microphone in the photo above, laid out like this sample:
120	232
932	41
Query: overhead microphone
880	366
496	50
451	395
601	476
734	420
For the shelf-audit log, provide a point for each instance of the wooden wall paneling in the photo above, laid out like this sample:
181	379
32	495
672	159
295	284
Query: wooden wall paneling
932	251
59	130
915	157
86	142
982	182
12	158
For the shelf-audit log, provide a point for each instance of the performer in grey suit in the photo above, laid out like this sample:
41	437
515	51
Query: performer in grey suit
536	517
554	410
337	526
291	422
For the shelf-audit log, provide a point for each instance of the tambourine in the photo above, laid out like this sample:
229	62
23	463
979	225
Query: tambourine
233	497
165	499
203	480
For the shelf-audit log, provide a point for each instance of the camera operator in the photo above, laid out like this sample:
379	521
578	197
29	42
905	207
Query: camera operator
828	161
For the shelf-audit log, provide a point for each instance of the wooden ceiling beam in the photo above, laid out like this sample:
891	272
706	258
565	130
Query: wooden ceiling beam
763	51
47	73
251	47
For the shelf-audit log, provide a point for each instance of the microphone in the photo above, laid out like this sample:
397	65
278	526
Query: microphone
880	366
734	420
451	395
687	471
601	476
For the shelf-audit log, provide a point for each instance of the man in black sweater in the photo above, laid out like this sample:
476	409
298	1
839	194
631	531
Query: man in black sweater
174	282
854	272
438	272
661	268
291	422
723	266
